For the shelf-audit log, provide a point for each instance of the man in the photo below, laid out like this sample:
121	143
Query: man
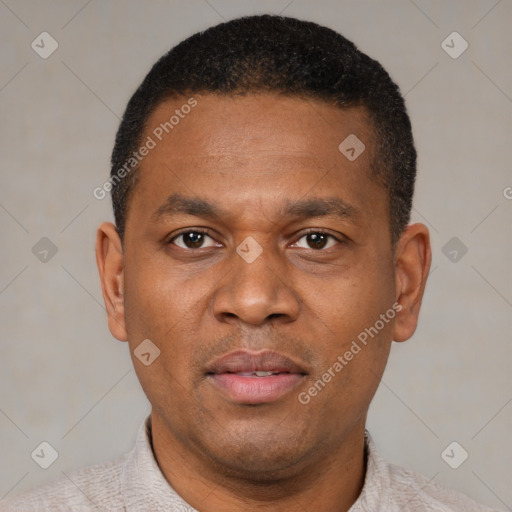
260	267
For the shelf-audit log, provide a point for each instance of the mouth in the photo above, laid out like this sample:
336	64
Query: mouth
246	377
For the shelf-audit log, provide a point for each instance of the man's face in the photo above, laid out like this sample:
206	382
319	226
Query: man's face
194	284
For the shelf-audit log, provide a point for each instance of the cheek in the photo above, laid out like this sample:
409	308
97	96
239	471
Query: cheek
158	296
357	316
355	300
158	307
354	353
163	305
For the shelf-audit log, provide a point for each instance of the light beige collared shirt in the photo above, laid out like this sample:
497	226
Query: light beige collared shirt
134	483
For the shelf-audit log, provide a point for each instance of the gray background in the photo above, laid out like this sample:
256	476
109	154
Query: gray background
65	380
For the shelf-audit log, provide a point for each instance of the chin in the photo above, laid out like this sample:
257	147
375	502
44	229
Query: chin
260	457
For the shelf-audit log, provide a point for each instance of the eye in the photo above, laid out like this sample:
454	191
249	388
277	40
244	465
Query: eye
316	240
193	240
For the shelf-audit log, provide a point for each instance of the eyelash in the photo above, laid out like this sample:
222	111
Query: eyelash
201	231
207	233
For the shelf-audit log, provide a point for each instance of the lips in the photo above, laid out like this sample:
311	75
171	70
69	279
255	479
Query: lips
254	378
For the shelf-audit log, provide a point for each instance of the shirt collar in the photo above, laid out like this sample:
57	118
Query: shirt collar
143	485
376	481
145	488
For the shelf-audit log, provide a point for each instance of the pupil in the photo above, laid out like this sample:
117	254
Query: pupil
317	240
193	239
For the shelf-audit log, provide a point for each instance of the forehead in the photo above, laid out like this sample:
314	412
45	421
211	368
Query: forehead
224	126
261	148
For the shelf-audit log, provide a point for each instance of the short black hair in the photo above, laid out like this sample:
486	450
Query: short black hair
284	56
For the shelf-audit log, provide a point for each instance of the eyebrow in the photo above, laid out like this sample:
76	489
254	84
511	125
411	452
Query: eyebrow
306	208
320	207
176	204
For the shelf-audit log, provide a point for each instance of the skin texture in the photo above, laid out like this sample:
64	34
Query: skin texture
251	157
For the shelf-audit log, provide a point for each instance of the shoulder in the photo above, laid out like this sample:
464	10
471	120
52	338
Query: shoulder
393	488
421	493
91	488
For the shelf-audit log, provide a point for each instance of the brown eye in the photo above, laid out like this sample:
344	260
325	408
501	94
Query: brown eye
316	240
193	240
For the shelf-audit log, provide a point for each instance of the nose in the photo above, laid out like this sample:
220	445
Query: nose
256	292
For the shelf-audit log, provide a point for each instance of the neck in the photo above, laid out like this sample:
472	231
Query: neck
330	483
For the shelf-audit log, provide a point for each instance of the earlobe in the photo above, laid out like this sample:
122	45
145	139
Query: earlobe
110	261
412	264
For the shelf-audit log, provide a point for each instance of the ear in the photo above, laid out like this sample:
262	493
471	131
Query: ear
109	257
412	264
